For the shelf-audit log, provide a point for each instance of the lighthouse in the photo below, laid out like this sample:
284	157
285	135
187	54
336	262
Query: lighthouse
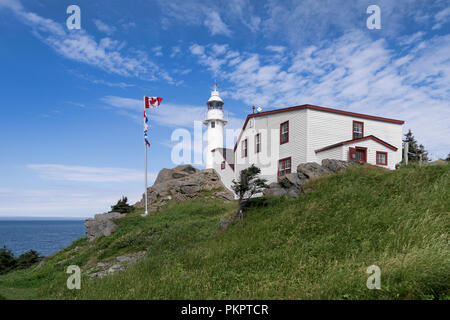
215	123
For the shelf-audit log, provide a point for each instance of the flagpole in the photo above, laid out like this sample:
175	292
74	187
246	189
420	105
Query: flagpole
145	146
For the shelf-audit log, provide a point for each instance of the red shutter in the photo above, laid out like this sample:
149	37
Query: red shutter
352	154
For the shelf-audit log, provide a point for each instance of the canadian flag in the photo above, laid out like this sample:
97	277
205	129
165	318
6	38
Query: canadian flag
152	102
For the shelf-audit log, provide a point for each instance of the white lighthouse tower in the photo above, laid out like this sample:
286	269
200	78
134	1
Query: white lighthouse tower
215	123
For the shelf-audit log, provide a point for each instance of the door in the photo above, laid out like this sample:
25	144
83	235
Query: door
358	154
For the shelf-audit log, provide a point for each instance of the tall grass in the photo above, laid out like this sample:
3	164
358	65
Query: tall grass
314	247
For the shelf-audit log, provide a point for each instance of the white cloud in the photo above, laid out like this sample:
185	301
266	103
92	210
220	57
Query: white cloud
441	18
157	51
175	51
85	174
354	74
277	49
106	54
65	201
216	25
78	104
103	27
166	115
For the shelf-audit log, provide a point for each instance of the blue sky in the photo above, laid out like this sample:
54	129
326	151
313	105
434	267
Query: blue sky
70	105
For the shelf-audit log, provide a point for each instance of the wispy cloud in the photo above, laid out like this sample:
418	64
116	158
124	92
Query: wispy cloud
354	74
106	54
103	27
441	18
85	174
215	24
157	51
78	104
64	201
167	115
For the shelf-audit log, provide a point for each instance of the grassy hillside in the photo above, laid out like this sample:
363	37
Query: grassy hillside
315	247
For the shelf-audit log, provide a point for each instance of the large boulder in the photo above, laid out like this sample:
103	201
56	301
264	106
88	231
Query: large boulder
337	165
182	183
311	170
292	184
101	225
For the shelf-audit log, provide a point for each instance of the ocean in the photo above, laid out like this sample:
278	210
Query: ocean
44	236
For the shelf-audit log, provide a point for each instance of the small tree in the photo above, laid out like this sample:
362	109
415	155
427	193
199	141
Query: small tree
27	259
122	206
416	152
7	260
248	185
448	158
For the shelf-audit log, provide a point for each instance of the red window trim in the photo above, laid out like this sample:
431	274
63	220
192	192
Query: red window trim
353	129
244	142
281	132
284	159
256	145
308	106
386	158
222	165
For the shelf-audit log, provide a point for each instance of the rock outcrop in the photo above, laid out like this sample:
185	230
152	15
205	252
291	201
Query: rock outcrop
101	225
292	184
182	183
119	264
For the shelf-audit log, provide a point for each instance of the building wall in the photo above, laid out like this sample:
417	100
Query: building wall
271	150
215	140
335	153
227	174
372	148
310	130
325	128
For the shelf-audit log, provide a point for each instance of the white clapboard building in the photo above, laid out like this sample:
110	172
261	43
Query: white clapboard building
277	141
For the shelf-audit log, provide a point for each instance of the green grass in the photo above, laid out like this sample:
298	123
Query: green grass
315	247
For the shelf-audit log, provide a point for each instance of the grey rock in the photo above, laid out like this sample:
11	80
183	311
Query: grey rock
311	170
190	189
224	195
101	225
337	165
182	183
116	267
292	185
102	264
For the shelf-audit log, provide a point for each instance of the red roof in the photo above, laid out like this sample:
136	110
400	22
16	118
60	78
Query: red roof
384	143
309	106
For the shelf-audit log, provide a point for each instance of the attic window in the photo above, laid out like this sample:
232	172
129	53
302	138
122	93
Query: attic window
358	130
222	165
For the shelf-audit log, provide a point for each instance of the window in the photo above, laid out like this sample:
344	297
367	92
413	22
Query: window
284	166
284	132
213	124
222	165
258	143
358	129
244	148
382	158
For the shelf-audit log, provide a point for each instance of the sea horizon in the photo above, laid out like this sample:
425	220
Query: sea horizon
39	218
46	235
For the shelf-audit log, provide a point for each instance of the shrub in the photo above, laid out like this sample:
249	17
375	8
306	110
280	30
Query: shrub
7	260
122	206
